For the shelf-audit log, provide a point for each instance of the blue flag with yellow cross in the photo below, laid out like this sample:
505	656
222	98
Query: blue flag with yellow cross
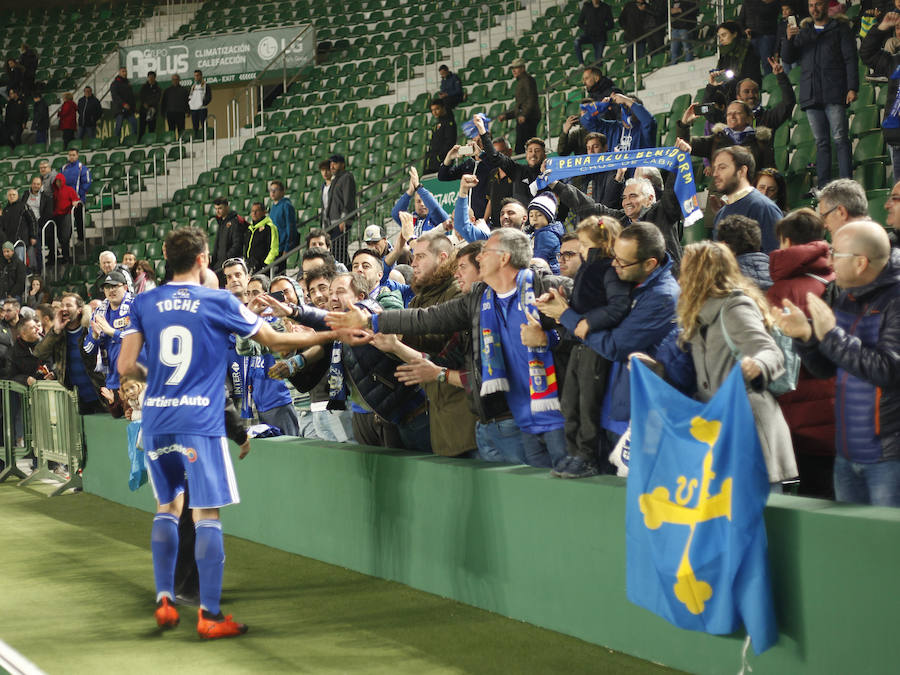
697	553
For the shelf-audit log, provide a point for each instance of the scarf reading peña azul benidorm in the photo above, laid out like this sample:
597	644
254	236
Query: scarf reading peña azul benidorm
668	158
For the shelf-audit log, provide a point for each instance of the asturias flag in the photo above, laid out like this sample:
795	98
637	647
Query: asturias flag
697	484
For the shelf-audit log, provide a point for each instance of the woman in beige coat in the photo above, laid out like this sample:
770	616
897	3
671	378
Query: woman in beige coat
715	294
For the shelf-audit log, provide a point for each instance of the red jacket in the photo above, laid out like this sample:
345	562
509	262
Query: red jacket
809	409
63	196
67	114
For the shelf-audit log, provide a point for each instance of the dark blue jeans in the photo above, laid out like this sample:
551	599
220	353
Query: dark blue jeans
877	484
830	122
583	39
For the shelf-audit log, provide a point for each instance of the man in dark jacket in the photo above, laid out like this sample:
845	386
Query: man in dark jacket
24	367
737	130
826	50
883	63
527	110
29	60
63	346
858	339
150	96
16	117
40	119
594	21
123	105
506	253
341	203
639	204
521	175
637	19
597	86
229	234
748	91
443	135
12	273
174	105
89	113
451	92
759	19
38	209
13	213
684	23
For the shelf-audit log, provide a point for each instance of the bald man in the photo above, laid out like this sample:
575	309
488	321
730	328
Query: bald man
858	339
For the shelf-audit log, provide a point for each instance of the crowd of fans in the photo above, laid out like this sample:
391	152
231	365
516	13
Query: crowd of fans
504	330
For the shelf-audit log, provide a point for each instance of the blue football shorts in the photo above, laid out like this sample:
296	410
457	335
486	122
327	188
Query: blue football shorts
203	460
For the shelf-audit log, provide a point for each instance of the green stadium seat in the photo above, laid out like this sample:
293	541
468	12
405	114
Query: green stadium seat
870	149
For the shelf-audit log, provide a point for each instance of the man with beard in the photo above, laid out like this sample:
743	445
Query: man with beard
229	234
732	168
521	175
63	345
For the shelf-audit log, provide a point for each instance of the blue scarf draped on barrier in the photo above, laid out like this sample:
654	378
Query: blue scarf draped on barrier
668	158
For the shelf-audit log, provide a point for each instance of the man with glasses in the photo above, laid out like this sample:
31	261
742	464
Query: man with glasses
840	202
570	258
858	339
504	261
640	259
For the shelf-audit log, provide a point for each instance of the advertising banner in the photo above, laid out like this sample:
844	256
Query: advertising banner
230	57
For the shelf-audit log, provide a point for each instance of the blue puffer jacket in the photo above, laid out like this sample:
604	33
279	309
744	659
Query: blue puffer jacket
547	241
650	320
863	350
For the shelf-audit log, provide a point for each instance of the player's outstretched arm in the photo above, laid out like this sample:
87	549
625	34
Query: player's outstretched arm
284	342
128	356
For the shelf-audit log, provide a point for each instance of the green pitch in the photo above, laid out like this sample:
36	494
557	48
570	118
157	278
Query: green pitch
77	597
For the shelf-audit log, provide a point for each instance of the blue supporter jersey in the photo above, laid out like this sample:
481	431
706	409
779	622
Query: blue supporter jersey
120	320
186	331
265	392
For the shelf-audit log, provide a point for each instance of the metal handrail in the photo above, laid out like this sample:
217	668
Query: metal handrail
45	251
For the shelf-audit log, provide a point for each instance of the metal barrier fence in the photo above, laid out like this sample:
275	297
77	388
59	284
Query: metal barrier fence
52	432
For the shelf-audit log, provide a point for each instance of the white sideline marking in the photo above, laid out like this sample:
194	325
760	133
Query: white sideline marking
15	663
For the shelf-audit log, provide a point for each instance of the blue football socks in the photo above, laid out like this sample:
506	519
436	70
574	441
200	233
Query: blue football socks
210	554
164	545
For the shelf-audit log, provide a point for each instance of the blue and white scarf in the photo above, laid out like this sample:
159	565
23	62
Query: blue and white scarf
541	369
668	158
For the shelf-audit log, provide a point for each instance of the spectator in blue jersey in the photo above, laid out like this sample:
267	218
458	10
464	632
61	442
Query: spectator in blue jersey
108	323
451	88
625	122
732	168
594	21
548	231
270	397
63	345
283	214
427	214
183	329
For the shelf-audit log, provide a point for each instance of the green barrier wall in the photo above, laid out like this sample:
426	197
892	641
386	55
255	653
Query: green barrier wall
546	551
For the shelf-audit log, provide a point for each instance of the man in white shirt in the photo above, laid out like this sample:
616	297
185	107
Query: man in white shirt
198	100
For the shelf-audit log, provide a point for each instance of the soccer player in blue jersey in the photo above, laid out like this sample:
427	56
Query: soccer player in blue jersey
185	328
